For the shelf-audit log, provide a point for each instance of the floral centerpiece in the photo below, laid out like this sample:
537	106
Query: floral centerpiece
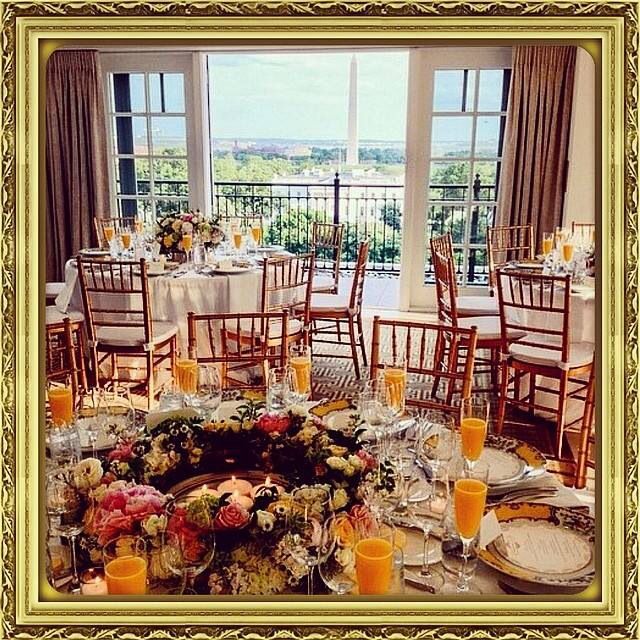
170	229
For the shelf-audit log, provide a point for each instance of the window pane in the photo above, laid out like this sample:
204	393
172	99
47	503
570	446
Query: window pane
490	91
453	90
487	136
134	208
127	94
166	92
451	136
169	135
170	177
447	218
449	181
171	206
130	135
484	180
132	176
480	219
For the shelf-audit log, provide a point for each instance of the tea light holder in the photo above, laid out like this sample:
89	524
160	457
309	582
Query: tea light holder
243	501
267	487
243	487
93	583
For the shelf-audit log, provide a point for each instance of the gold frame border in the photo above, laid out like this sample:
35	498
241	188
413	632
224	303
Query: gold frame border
24	23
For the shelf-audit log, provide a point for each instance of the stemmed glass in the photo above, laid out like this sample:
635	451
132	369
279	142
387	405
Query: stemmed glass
166	572
337	567
89	419
305	521
436	504
256	233
436	438
469	499
208	396
187	246
278	389
300	372
373	412
125	239
394	378
474	420
567	249
63	506
118	413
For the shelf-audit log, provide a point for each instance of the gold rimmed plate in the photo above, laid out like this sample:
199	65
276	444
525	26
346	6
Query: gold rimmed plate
339	415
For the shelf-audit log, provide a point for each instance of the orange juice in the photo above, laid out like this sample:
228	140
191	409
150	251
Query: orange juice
395	380
256	234
567	252
61	405
138	226
301	366
126	239
473	431
126	576
187	375
547	246
373	566
469	497
237	239
109	232
187	241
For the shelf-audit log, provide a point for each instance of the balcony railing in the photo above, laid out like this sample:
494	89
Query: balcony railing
371	211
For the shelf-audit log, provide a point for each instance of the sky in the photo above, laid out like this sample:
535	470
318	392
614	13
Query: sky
304	96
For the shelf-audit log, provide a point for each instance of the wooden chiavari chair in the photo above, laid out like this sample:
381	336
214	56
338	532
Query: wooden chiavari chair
539	306
326	243
466	305
117	308
213	338
587	437
329	313
64	354
508	243
417	341
116	222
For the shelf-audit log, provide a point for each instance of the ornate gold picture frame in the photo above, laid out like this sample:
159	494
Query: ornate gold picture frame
31	30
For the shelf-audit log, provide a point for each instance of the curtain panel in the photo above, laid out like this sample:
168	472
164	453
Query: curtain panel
76	156
534	164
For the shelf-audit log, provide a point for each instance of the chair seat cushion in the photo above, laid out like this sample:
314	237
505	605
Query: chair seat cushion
322	282
580	355
488	327
477	306
275	328
53	316
325	302
134	336
53	289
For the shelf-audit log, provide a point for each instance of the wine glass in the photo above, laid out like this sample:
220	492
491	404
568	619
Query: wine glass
118	413
300	372
474	419
427	514
64	509
436	437
166	571
89	419
125	239
337	568
469	499
383	488
567	251
374	413
278	389
208	396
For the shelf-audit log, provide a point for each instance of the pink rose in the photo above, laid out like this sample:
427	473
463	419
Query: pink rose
231	516
367	459
122	452
272	423
362	517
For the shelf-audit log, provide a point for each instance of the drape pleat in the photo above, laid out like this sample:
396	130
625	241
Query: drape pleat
76	155
534	164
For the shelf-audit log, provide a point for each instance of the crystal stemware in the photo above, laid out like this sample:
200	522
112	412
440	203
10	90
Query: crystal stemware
337	568
208	396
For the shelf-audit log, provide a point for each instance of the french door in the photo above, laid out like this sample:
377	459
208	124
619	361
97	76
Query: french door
456	119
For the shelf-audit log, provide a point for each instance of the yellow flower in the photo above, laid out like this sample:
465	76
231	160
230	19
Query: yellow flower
254	396
167	241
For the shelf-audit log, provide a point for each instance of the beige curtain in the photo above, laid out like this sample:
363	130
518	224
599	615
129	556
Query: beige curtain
76	156
534	166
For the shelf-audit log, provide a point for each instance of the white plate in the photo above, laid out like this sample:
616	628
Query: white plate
96	251
414	548
231	270
271	248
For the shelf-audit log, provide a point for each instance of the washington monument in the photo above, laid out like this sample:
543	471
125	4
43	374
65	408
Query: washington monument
352	127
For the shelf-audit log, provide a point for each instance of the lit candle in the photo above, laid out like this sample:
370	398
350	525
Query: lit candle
243	501
243	487
92	583
268	484
201	492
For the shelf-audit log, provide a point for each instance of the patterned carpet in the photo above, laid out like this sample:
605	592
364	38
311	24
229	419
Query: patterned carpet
335	378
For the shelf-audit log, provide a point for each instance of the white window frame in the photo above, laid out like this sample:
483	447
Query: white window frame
193	67
423	62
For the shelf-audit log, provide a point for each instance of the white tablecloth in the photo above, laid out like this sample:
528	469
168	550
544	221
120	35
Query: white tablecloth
172	298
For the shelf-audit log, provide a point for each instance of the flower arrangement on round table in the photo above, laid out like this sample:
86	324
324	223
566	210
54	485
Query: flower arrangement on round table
128	494
171	228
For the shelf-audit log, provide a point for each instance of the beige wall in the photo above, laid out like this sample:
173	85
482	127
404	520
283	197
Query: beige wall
579	202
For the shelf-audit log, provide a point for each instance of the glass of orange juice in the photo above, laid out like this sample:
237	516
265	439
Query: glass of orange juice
186	375
237	238
474	419
374	552
60	397
469	500
547	243
394	377
300	367
125	566
109	233
256	232
125	238
567	248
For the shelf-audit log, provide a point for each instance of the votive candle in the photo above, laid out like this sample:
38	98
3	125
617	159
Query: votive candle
243	487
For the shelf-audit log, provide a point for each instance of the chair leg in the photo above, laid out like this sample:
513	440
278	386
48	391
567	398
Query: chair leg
354	349
150	380
502	400
585	434
339	330
532	393
562	410
362	346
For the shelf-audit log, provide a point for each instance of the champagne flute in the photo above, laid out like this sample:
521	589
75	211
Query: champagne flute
474	418
125	239
300	372
547	243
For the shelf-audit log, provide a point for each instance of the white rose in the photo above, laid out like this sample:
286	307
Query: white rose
339	464
265	520
177	225
340	499
87	474
355	462
155	524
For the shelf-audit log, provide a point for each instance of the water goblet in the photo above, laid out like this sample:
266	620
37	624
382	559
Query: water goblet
208	396
337	567
278	389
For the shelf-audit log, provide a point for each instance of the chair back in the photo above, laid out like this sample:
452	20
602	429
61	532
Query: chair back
116	223
115	294
444	246
326	243
217	338
64	354
508	243
357	286
537	305
445	288
286	286
417	341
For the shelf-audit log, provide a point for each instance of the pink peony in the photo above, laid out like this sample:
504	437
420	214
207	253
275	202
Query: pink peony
273	423
231	516
122	452
367	459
